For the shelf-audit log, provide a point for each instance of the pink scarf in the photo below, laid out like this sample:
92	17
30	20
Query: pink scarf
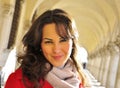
65	77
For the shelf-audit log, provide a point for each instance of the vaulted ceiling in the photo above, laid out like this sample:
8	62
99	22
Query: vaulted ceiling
98	21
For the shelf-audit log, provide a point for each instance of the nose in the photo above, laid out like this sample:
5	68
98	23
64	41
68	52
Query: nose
56	48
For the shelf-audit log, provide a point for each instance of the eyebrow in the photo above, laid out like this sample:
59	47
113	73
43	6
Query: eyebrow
47	38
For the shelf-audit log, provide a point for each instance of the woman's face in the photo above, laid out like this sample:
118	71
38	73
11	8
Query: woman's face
57	50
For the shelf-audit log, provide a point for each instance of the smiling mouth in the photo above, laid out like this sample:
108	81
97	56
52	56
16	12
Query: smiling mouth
57	57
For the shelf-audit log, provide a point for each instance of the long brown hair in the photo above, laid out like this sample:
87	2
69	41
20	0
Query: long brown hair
33	62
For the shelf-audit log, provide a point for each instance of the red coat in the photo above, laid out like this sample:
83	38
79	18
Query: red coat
15	81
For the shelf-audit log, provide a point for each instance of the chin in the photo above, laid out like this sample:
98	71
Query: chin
59	65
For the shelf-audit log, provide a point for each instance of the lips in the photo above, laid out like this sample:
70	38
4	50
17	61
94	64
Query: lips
58	57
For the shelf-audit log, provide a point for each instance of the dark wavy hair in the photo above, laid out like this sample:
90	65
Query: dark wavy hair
33	62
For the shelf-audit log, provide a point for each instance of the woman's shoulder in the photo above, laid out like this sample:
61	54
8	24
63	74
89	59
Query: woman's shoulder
17	74
13	80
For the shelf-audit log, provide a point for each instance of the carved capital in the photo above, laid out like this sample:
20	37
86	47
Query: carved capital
117	42
112	47
7	9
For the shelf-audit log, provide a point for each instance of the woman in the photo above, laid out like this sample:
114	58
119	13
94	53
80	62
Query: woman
49	59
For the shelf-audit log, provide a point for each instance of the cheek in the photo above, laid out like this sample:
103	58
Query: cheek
68	48
45	50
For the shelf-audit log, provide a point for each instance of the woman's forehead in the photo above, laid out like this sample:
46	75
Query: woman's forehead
58	28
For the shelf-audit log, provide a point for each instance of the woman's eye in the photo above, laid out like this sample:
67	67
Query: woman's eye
47	42
63	40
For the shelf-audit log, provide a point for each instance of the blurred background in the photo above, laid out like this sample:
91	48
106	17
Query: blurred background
98	24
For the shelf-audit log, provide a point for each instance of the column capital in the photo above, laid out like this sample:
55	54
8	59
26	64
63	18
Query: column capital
113	47
117	42
7	9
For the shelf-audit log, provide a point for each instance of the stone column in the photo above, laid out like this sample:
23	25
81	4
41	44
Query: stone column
113	67
117	81
6	17
105	62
